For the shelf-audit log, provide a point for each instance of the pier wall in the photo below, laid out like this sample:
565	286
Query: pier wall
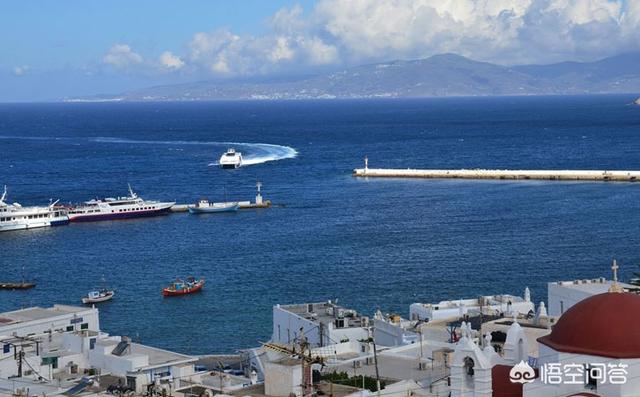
560	175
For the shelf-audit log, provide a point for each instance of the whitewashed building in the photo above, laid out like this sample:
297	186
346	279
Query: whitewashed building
38	343
564	294
323	324
393	330
592	350
506	305
58	318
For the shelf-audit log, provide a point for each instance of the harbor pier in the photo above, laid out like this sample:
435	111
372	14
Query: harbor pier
549	175
242	205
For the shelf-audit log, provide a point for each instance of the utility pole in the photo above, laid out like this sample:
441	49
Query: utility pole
307	375
375	360
20	358
304	354
221	373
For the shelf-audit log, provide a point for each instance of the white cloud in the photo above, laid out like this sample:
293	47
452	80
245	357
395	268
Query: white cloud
122	56
348	32
281	50
170	61
20	70
289	20
504	31
204	44
318	52
288	46
221	65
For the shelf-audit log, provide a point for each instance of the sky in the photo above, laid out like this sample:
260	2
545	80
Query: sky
52	49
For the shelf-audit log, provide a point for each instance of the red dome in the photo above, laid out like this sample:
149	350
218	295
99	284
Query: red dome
502	385
605	325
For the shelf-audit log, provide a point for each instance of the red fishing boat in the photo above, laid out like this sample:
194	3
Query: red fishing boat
180	287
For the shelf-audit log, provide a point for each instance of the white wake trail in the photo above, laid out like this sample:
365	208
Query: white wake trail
252	153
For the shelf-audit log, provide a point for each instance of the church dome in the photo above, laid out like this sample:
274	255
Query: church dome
604	325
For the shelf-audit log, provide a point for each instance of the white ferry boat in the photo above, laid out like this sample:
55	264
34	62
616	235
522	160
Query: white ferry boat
130	206
16	217
231	159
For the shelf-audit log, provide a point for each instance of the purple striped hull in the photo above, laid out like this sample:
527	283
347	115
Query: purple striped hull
118	215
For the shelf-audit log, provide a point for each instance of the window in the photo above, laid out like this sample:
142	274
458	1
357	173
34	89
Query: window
468	371
163	374
84	326
92	343
6	348
69	328
468	366
53	361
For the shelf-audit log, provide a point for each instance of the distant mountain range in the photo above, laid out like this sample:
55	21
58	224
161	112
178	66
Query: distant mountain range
440	75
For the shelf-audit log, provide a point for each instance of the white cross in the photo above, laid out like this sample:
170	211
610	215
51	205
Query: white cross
615	268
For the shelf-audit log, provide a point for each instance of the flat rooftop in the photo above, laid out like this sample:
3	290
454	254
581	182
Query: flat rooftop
38	313
156	356
594	286
324	387
327	312
486	300
160	356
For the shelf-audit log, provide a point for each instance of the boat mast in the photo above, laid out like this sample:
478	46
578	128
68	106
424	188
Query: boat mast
133	195
4	194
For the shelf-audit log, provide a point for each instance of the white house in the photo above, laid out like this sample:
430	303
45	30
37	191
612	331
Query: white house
564	294
31	332
323	324
393	330
506	305
39	343
59	318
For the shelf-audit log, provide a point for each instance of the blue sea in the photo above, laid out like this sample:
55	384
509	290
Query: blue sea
370	244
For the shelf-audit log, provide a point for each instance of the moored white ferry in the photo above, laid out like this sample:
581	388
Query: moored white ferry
130	206
16	217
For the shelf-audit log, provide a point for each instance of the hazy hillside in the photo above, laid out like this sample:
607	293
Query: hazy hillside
440	75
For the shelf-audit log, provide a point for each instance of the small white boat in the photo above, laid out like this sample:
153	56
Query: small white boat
231	159
205	207
102	295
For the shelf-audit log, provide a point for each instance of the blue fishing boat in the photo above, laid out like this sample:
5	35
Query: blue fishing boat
205	207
